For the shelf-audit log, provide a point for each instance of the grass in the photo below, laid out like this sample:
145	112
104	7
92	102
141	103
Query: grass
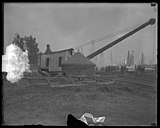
120	104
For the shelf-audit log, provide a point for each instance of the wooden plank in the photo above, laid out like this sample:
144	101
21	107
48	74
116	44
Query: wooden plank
41	84
139	83
79	84
35	78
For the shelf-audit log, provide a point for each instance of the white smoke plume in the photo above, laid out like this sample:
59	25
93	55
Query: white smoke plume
15	62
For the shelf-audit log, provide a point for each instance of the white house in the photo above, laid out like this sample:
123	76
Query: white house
51	61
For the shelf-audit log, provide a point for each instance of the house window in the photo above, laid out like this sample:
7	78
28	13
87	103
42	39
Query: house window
47	62
70	52
60	61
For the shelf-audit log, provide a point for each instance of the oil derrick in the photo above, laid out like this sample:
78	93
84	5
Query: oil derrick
111	59
132	58
128	59
142	59
102	58
124	62
120	60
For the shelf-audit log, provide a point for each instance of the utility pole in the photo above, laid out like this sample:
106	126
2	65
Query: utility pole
111	59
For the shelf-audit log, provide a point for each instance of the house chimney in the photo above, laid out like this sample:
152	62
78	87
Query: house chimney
48	50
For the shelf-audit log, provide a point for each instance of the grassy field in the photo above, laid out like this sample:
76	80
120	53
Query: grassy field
121	104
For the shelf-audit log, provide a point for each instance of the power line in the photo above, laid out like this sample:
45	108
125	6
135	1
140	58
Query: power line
123	31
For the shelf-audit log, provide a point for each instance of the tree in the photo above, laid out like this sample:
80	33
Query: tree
30	44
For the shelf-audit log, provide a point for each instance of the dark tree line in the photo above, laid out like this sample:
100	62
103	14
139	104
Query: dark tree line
30	44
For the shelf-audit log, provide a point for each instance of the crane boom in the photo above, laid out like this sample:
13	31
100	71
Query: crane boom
150	22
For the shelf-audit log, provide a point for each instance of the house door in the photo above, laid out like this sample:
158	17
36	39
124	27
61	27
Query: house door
47	62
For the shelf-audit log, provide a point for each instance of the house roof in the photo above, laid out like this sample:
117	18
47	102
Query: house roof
78	59
70	49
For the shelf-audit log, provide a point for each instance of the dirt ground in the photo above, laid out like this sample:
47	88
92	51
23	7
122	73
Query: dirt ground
121	104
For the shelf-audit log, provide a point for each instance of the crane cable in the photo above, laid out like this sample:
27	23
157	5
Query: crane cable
106	37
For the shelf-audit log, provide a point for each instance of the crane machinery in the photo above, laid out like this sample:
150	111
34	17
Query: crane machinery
56	68
150	22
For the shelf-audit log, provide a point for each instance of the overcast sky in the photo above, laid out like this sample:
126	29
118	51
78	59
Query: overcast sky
67	25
